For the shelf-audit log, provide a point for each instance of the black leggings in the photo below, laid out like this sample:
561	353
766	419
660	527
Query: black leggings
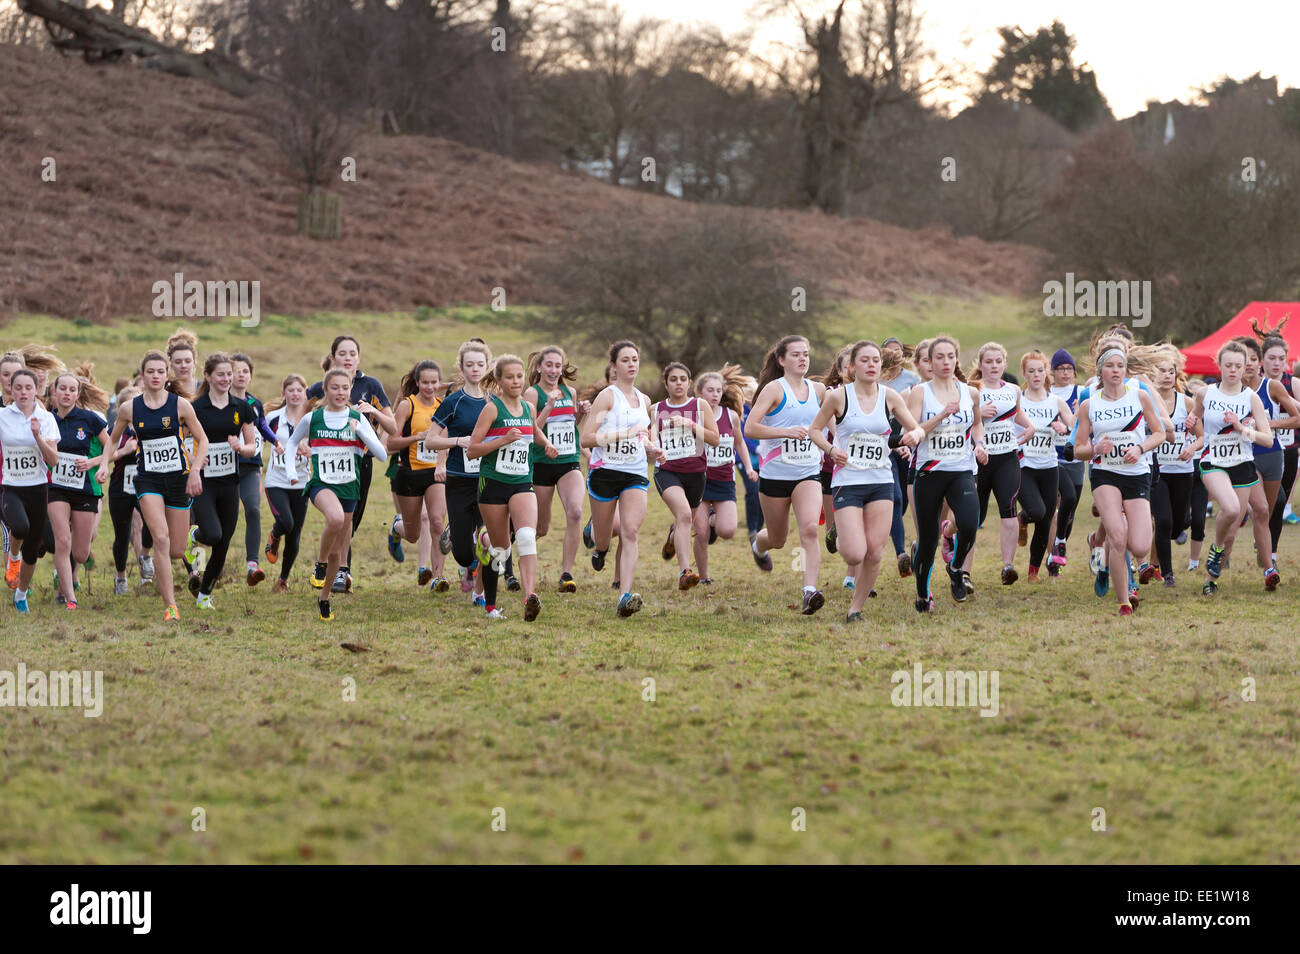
1283	494
217	513
1037	501
930	490
290	510
24	514
463	518
1200	499
1169	496
120	509
1001	475
250	492
1070	492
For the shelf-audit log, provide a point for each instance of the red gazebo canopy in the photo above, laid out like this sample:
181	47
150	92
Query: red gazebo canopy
1201	356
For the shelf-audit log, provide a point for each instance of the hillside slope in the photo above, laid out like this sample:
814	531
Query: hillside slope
157	174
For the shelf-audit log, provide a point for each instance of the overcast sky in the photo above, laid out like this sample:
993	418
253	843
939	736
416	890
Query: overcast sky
1139	49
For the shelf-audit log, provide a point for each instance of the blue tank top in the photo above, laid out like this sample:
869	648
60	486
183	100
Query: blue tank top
1262	391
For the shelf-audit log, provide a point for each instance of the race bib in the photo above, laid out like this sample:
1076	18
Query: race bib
301	469
678	442
424	454
563	435
1286	438
221	460
512	459
189	447
128	479
257	446
1168	453
65	473
867	451
625	450
471	466
1060	440
1120	443
1041	445
998	438
799	452
162	456
22	465
948	444
1226	450
336	465
724	455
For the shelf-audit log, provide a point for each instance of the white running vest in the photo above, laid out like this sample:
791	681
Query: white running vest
948	446
1040	451
1000	429
1224	447
864	437
627	454
1122	421
788	458
1167	453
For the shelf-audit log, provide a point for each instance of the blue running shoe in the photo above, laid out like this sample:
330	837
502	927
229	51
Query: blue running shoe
1101	586
20	604
1214	562
395	542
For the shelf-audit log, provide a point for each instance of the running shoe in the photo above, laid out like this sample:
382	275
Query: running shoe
1169	581
323	608
765	561
871	595
687	580
495	613
669	549
1272	578
479	600
1214	563
204	602
272	548
1210	588
1023	538
966	582
567	584
1058	555
628	604
439	585
945	542
1291	519
532	606
1145	573
12	567
191	546
121	587
58	595
318	576
925	605
280	586
713	531
588	540
255	575
831	537
1033	574
598	559
512	583
849	583
1009	575
70	606
342	582
1125	609
854	617
904	565
1052	569
812	602
1181	538
1192	565
171	614
395	542
146	569
196	584
444	541
706	581
466	578
616	585
1134	599
423	577
957	583
1101	585
1096	556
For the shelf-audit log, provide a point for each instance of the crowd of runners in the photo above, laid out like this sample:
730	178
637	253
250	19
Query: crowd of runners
478	454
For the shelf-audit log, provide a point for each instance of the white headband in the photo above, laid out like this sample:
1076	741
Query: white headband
1108	353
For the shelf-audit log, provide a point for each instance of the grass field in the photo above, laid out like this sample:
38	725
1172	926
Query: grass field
757	711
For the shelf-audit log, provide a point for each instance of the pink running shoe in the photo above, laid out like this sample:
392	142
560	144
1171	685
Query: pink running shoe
945	542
